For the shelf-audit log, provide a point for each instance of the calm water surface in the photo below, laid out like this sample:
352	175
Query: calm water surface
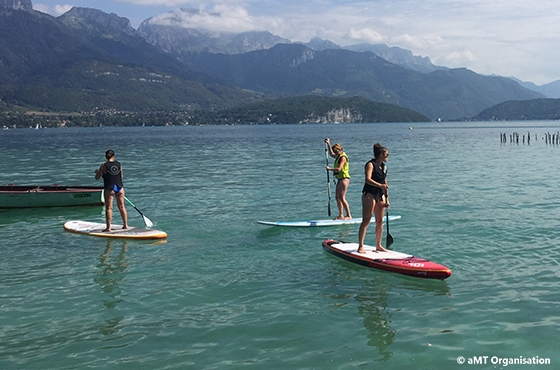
226	292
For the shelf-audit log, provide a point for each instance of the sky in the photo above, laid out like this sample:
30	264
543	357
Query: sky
511	38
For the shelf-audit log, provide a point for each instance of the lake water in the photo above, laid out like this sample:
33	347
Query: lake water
225	292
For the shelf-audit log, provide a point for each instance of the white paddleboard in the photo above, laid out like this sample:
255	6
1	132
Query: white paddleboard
371	252
96	229
319	223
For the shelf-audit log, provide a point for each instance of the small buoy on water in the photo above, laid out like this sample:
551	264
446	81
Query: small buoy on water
410	127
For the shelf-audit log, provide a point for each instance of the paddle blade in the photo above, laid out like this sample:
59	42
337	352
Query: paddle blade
389	240
147	221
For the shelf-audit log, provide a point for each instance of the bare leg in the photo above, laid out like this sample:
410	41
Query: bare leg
122	208
379	212
341	189
338	201
368	204
108	194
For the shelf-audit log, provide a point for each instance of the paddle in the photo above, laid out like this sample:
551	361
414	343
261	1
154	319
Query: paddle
328	177
389	236
146	219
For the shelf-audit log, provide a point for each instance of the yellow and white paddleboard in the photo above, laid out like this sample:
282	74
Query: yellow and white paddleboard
96	229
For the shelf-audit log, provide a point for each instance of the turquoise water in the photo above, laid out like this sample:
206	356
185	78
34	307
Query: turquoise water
226	292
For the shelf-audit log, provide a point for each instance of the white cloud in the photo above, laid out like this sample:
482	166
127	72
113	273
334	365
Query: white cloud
167	3
55	10
458	58
41	8
221	18
61	9
365	35
516	37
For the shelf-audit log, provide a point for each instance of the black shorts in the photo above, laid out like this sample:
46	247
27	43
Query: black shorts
376	196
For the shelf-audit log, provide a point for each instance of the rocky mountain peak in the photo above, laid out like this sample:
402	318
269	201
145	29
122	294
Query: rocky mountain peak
17	4
109	21
318	44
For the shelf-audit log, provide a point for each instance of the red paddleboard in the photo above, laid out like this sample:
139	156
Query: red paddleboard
393	261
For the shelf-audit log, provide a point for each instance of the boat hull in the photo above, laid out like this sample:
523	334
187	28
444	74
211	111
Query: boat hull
13	196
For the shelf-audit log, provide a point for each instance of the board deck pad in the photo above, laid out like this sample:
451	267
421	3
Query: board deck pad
96	229
390	260
352	248
320	223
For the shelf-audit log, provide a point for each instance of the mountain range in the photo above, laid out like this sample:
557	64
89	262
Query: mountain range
550	90
535	109
87	59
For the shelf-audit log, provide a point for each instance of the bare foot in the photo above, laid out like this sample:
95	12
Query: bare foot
361	251
105	230
380	249
125	227
339	218
348	217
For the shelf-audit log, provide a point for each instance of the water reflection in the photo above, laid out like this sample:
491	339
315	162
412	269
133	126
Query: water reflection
375	307
377	318
112	270
12	216
377	300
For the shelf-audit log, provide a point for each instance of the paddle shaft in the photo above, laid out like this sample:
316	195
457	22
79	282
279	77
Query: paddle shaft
328	178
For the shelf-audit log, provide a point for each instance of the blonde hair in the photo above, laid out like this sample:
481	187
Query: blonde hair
337	147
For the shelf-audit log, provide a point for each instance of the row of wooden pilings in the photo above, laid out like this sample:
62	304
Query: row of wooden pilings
515	137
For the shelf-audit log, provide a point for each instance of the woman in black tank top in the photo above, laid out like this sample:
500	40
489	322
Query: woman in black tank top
111	171
375	196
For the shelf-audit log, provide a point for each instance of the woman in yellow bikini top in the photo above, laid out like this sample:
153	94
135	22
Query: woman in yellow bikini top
341	171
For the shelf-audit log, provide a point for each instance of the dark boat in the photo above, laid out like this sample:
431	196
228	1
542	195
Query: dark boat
15	196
